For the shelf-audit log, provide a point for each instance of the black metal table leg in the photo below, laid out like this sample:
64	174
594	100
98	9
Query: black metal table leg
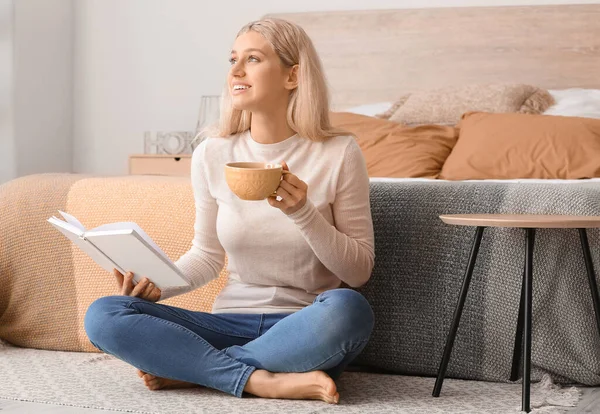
516	361
458	312
589	265
528	282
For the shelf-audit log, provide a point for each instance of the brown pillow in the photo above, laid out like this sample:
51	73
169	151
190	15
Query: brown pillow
394	150
506	146
446	106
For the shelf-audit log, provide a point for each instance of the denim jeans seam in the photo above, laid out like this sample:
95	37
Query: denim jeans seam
339	352
243	379
196	336
355	345
210	328
260	324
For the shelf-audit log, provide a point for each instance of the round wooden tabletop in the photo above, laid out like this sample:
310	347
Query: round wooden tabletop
522	220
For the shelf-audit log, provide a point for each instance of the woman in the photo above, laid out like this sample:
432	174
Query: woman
282	327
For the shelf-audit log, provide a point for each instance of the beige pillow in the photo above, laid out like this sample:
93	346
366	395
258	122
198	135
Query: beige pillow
48	283
446	106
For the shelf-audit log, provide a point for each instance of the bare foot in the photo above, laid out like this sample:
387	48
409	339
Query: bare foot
158	383
315	385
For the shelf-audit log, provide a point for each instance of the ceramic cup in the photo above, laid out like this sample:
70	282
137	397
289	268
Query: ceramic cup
253	180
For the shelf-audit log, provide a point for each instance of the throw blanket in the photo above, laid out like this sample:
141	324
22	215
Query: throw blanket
420	264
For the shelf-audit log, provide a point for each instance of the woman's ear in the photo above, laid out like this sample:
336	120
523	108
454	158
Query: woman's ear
292	80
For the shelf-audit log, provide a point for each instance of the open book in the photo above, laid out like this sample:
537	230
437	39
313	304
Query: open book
123	246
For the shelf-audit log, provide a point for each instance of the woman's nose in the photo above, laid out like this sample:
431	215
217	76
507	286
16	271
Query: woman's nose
237	70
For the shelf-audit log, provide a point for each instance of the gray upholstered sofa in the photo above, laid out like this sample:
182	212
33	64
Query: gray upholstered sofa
420	264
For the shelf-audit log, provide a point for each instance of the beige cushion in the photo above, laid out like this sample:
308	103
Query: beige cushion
445	106
394	150
507	146
48	283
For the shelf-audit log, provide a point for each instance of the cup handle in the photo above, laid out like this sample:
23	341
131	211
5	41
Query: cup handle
283	172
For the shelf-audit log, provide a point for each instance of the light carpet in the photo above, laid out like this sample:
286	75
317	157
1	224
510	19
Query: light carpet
104	382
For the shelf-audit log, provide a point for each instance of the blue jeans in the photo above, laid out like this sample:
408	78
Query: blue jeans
221	351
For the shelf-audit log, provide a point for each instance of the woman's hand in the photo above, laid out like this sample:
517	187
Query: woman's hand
292	191
144	289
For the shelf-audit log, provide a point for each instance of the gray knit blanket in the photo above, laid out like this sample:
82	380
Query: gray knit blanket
420	264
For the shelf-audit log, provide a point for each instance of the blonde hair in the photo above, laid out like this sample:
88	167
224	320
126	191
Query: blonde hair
308	106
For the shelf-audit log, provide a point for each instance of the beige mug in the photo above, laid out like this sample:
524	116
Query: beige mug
253	180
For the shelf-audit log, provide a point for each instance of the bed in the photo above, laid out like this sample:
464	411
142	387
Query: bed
370	59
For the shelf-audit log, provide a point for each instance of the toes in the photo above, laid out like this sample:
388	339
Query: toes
331	399
140	373
329	386
153	385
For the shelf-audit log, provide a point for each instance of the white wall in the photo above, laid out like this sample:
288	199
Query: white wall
142	65
7	153
36	87
43	85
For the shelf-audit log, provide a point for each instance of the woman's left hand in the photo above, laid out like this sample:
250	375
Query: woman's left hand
292	191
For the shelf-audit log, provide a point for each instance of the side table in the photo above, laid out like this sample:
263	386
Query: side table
160	164
523	334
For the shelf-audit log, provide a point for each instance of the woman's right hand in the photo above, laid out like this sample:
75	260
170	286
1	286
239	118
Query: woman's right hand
144	289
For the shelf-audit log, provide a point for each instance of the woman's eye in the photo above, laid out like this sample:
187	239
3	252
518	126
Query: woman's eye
232	61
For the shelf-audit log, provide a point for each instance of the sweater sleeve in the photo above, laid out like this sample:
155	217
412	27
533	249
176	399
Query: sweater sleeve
346	249
205	259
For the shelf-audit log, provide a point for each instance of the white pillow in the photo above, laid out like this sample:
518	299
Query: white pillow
370	109
575	102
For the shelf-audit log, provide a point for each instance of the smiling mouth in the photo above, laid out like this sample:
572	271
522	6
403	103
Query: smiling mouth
237	89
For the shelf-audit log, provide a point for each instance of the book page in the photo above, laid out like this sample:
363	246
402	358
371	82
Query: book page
64	226
76	236
131	253
72	220
129	225
122	248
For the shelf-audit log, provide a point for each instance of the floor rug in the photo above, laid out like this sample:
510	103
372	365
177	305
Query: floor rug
104	382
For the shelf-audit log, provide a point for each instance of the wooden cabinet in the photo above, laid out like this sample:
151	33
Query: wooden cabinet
160	164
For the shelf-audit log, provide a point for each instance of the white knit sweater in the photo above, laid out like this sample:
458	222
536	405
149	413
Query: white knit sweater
278	263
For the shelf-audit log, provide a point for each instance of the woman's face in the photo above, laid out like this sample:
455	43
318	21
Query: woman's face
257	80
